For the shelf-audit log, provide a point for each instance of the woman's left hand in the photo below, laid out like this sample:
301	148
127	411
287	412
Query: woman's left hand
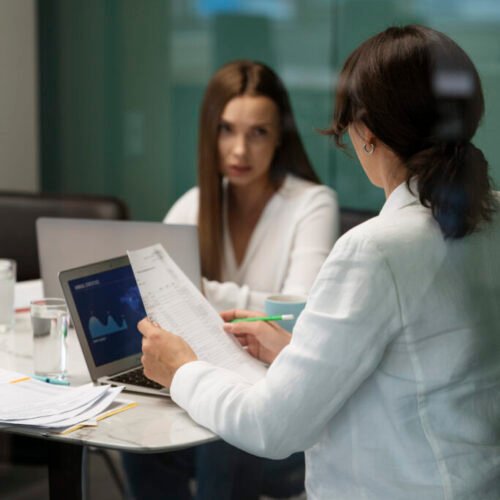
163	353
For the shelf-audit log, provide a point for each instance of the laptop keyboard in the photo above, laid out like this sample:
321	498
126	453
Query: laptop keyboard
136	377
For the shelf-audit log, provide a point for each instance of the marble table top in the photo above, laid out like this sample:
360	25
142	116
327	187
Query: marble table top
155	424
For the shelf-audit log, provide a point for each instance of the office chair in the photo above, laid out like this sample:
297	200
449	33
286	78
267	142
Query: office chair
19	212
350	217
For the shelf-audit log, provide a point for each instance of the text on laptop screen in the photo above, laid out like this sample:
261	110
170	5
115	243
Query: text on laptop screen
109	306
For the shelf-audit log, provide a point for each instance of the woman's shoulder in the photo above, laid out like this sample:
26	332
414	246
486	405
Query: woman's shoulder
185	209
409	231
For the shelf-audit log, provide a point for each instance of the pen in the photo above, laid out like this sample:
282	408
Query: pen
50	380
280	317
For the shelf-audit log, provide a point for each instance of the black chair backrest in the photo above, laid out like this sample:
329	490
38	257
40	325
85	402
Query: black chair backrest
350	217
19	212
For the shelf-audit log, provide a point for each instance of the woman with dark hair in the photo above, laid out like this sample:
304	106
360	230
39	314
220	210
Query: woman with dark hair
391	379
265	223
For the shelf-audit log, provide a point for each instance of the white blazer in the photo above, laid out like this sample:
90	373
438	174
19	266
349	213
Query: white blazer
392	380
292	239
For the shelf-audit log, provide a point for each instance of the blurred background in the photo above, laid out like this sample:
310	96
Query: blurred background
102	96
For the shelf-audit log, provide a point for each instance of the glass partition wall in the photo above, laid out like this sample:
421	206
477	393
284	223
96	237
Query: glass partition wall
121	83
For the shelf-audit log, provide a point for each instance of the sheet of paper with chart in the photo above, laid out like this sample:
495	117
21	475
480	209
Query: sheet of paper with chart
172	300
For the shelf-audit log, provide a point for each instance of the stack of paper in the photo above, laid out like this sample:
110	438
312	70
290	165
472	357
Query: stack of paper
31	403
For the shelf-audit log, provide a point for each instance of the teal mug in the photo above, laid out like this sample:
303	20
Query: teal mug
285	304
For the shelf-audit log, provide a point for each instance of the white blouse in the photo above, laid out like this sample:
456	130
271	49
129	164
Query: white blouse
290	242
391	382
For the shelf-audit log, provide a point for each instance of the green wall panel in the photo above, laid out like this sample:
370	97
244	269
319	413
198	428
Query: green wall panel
121	82
186	100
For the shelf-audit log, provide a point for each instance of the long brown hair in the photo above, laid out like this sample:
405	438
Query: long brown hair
235	79
420	94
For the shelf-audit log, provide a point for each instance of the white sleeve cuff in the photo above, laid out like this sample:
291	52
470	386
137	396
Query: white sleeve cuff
184	381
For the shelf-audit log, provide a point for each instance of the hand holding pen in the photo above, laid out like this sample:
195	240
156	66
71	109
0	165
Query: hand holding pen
263	338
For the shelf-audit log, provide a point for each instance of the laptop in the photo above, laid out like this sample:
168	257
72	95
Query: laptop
105	306
66	243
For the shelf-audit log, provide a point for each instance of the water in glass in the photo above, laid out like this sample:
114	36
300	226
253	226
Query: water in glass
50	327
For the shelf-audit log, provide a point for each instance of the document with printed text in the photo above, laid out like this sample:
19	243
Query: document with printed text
30	403
172	300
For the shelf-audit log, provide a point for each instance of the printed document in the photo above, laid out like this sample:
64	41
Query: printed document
172	300
31	403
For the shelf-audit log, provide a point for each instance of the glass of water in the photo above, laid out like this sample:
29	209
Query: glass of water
7	283
50	322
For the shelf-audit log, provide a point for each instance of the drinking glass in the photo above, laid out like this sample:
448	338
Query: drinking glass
50	321
7	283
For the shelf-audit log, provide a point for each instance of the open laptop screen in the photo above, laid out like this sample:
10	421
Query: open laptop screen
109	307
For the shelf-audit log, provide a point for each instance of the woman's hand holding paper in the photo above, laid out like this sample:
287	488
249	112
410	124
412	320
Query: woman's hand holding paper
163	353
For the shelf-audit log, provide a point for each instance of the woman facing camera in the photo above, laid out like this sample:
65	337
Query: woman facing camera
265	223
391	379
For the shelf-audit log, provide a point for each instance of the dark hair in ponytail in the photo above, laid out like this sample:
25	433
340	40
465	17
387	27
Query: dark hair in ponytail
420	94
453	181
